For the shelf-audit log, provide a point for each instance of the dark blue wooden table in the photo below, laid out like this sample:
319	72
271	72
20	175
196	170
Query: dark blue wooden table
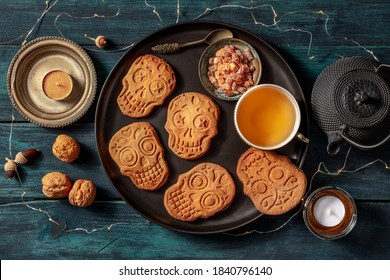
308	34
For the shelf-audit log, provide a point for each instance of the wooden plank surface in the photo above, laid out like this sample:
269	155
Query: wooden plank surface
110	229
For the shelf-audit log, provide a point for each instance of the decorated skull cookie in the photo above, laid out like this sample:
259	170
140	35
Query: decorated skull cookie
273	183
201	192
192	121
148	82
139	155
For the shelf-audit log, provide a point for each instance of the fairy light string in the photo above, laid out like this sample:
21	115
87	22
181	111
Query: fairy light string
154	10
26	35
275	20
178	11
93	16
28	204
45	11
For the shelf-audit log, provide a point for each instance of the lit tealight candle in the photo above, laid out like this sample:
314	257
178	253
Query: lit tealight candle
329	211
57	85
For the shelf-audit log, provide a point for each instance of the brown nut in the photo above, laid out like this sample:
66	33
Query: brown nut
65	148
26	155
10	168
56	185
101	41
83	193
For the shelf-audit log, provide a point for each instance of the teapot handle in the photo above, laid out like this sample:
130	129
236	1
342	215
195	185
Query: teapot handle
336	138
365	147
377	68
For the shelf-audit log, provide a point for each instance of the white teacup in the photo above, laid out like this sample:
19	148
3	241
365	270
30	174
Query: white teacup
267	117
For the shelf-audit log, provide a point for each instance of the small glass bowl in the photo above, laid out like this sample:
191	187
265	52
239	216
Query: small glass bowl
332	232
211	50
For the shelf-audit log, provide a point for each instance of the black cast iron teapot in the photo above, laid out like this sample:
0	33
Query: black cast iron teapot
351	103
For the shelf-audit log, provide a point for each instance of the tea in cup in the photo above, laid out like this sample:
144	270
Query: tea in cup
267	117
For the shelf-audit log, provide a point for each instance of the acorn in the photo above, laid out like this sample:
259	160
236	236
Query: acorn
100	41
10	168
26	156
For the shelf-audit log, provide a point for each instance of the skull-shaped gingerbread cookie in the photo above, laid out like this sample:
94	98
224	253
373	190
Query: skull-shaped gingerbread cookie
139	155
273	183
201	192
149	81
192	121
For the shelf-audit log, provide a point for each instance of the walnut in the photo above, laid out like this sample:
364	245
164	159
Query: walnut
83	193
56	185
66	148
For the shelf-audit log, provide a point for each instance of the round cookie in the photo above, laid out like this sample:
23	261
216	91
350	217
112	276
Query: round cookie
271	181
192	121
149	81
201	192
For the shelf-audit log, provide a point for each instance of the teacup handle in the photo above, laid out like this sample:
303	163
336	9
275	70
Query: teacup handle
302	138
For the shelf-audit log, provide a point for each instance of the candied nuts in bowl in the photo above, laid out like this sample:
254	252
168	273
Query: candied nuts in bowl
228	68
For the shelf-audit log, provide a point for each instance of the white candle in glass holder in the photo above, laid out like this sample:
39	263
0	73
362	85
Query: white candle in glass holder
329	211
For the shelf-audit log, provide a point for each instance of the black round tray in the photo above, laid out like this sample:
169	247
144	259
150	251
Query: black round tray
226	147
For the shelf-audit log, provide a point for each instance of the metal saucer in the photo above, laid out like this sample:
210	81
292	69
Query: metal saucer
27	70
